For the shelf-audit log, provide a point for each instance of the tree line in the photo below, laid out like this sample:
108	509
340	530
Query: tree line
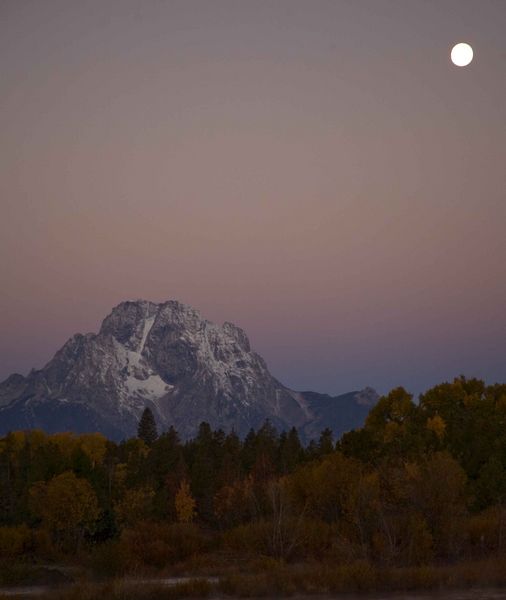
420	482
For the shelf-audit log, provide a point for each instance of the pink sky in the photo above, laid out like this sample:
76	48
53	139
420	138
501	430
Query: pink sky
315	171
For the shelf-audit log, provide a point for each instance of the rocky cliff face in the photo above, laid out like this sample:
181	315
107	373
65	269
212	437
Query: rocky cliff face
167	357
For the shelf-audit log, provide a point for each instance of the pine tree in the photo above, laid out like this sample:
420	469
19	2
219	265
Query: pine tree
147	427
291	452
203	469
326	442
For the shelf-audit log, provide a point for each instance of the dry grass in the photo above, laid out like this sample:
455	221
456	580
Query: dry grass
363	577
123	590
272	578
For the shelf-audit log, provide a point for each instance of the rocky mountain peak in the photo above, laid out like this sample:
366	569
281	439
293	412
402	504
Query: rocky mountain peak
165	356
126	320
367	397
238	335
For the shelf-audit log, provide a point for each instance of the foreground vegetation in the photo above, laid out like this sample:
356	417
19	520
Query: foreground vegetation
415	499
282	580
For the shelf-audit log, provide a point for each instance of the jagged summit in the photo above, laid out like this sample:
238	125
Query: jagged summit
167	357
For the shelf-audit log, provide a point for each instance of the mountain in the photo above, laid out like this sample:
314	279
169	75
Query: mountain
185	368
339	413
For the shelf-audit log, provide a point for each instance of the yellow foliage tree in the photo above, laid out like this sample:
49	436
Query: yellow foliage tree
232	503
437	487
67	505
185	503
437	425
94	445
135	504
66	442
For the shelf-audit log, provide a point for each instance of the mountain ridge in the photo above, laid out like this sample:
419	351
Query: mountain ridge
185	368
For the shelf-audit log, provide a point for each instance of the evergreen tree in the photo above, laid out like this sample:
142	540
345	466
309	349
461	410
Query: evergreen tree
326	442
231	467
249	450
203	469
290	450
267	443
147	428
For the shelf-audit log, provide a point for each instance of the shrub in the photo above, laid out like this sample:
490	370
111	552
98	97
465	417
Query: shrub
485	530
110	559
42	545
249	539
158	544
14	541
292	539
358	576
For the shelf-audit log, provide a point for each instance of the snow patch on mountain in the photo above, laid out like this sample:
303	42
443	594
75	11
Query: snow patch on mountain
148	324
153	386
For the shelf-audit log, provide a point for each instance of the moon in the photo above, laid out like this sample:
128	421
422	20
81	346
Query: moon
462	54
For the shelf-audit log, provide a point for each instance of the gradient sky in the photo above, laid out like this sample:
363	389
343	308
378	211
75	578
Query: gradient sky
315	171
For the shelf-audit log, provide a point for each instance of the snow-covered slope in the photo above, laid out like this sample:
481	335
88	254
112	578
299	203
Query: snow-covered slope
165	356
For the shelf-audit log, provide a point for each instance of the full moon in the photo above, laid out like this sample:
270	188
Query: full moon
462	54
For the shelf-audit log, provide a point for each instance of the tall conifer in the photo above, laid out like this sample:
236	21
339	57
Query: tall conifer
147	427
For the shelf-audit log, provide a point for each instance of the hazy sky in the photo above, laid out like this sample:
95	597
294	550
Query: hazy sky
316	171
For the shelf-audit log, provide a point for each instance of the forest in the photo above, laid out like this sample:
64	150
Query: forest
417	497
